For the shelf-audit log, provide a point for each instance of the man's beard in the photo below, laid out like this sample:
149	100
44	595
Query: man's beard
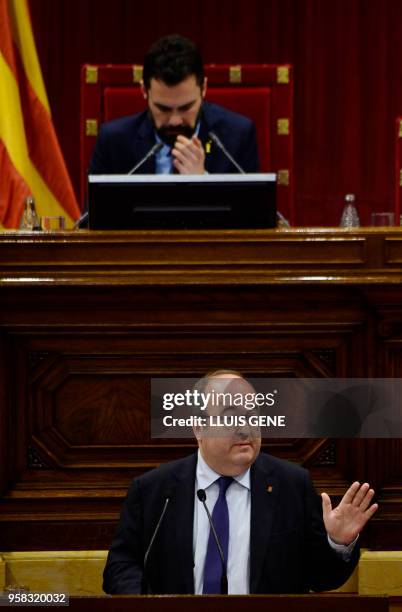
169	134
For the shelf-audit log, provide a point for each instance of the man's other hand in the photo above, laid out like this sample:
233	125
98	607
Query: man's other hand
188	155
345	522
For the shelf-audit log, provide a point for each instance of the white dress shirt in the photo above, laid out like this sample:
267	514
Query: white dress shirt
238	500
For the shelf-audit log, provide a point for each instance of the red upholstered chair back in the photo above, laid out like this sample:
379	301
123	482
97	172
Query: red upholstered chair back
262	92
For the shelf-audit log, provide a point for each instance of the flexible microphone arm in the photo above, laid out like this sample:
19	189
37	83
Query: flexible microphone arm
202	496
83	220
144	582
224	150
153	151
217	141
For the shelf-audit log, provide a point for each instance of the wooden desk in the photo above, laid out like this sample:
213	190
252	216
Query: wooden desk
87	318
255	603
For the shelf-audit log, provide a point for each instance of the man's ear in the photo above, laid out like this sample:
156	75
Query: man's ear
197	429
204	87
143	90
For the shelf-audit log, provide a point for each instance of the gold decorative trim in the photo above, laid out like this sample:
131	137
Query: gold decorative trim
137	73
282	127
235	74
91	127
400	129
282	75
400	178
91	74
283	177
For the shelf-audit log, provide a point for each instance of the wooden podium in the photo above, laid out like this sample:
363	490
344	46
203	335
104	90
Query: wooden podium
232	603
87	318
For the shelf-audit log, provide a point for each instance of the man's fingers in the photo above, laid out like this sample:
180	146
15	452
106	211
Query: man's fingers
194	145
191	159
185	141
188	155
187	146
366	501
360	494
191	153
350	493
184	155
366	516
196	141
326	503
369	513
188	150
180	166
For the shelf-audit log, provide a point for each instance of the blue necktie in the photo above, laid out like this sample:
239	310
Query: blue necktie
220	519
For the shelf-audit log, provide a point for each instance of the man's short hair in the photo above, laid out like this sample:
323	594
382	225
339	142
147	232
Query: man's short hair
202	384
172	59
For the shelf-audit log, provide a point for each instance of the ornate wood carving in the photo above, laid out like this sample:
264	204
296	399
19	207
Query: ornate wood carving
35	358
327	455
35	461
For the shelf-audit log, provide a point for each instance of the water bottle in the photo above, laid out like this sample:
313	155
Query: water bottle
30	219
350	216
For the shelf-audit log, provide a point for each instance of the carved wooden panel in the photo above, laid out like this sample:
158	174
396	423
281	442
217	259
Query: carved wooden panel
84	328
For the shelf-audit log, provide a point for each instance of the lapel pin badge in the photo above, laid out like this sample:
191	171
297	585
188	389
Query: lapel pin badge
208	146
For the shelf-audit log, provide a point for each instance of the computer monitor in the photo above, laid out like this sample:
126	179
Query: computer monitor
176	201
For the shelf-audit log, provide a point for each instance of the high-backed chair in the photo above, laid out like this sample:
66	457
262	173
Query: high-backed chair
398	170
263	92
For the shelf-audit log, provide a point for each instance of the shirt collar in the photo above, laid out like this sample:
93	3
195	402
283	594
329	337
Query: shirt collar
207	476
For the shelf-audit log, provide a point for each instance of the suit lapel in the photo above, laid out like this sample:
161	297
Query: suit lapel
205	123
264	496
183	531
209	147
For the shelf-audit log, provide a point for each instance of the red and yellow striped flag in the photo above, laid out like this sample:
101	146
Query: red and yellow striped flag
31	161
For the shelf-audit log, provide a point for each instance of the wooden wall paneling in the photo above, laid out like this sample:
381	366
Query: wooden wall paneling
84	338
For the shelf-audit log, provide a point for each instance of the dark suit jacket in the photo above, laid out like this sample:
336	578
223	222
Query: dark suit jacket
124	142
289	551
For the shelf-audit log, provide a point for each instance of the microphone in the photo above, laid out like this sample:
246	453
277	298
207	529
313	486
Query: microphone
283	221
152	151
144	582
224	150
82	221
202	496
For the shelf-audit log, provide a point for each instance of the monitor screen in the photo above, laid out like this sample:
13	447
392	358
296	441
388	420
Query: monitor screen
176	201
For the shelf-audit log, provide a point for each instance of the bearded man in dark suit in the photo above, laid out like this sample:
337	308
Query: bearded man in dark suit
177	117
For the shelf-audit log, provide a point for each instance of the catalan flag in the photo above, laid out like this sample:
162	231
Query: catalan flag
31	162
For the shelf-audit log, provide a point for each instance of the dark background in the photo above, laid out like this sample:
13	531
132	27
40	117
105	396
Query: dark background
347	57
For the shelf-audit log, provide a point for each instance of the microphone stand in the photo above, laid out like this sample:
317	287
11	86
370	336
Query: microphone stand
282	220
202	496
144	582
